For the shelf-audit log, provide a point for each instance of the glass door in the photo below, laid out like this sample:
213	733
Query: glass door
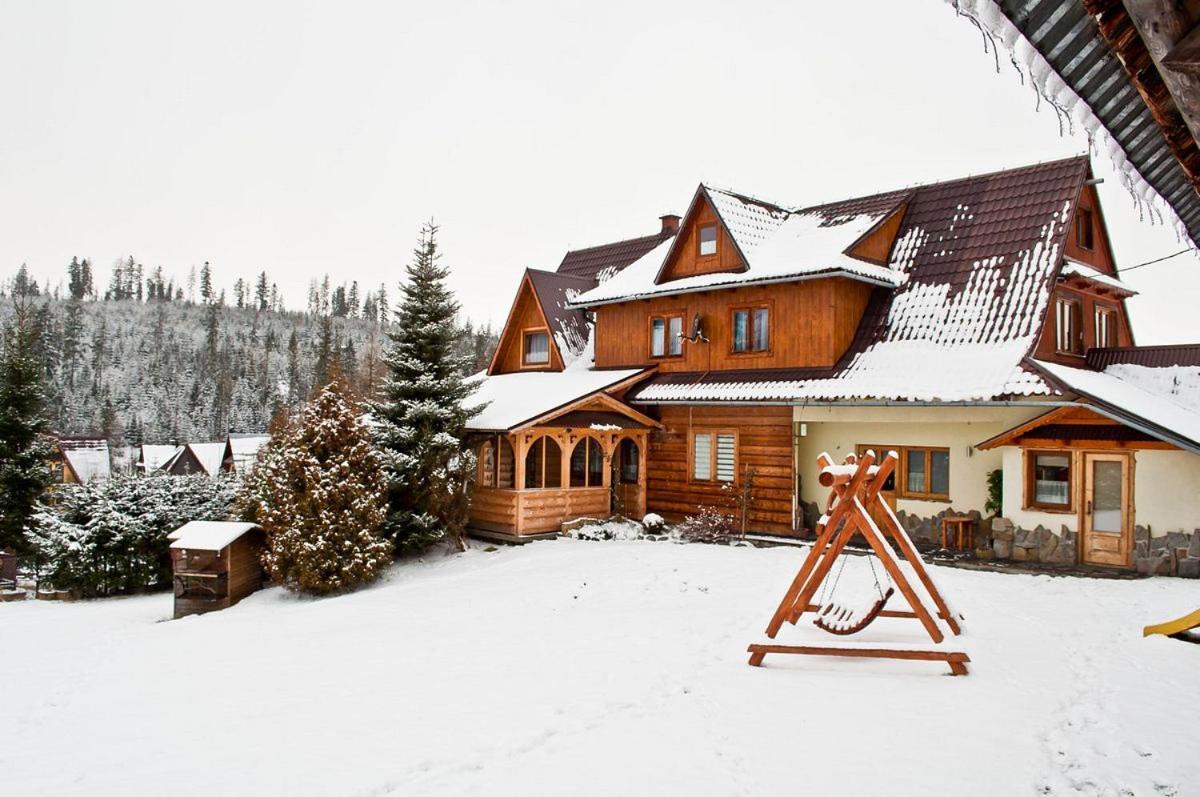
1106	532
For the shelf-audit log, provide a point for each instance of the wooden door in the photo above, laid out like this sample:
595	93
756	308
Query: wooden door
1106	530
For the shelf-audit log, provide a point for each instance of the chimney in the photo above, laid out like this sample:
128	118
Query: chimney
670	223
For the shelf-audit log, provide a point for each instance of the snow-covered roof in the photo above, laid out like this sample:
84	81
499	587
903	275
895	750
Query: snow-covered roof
209	455
245	449
88	459
1168	399
779	245
208	535
979	256
154	457
515	398
1073	268
568	324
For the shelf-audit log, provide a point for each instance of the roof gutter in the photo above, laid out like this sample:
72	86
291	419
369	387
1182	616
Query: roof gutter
738	284
873	403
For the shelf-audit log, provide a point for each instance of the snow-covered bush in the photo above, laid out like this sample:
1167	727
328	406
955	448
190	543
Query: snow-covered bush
320	492
654	523
110	537
615	529
708	525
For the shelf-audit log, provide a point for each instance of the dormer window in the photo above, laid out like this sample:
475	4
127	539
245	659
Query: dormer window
1068	326
1084	235
708	240
536	349
1106	327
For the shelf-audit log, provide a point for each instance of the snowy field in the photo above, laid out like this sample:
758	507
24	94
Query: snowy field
575	667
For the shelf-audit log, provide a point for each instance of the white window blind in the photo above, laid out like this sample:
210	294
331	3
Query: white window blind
658	329
725	457
675	336
702	457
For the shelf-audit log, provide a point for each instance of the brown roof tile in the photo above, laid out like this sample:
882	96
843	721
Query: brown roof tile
588	263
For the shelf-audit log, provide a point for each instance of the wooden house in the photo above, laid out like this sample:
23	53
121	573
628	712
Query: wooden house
728	350
210	459
151	458
216	564
80	460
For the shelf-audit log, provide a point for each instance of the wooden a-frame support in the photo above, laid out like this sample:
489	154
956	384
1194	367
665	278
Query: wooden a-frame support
854	493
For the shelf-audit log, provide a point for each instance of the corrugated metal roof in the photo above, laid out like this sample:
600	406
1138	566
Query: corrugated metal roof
1070	41
1149	356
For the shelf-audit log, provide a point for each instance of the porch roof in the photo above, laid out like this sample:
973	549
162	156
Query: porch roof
514	399
1163	402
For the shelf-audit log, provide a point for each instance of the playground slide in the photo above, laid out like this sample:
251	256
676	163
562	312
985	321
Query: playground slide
1173	627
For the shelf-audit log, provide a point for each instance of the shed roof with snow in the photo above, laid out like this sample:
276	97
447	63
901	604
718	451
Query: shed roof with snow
209	535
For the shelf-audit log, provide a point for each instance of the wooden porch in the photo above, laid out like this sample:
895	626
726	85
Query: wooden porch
533	480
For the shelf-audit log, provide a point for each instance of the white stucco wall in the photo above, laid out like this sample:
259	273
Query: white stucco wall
837	430
1166	493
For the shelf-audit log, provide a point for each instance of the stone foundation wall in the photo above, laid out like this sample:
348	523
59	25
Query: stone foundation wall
1176	553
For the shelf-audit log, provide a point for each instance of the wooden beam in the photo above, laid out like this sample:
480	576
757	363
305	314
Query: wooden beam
1185	55
956	659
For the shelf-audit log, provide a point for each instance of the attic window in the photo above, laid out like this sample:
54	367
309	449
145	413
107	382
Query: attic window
708	240
536	348
1083	229
1106	326
1068	329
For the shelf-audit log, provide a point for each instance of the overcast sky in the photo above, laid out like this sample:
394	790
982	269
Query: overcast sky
305	138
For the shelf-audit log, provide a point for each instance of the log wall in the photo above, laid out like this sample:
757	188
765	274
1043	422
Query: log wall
764	443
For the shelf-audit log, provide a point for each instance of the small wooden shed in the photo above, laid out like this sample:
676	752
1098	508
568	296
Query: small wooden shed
216	564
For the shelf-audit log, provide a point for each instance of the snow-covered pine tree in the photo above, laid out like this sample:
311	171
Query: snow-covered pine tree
423	409
24	449
321	494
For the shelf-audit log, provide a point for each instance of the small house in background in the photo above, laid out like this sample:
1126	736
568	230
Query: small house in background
216	564
80	461
211	459
152	458
245	448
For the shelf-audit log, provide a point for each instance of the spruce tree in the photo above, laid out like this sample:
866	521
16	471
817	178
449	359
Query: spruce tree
320	492
24	450
423	409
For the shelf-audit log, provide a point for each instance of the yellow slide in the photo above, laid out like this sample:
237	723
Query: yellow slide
1173	627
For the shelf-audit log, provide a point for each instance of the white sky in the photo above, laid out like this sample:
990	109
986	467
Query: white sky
309	138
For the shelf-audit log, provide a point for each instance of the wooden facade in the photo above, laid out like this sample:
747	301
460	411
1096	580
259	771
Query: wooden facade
518	502
525	317
764	446
812	324
208	580
688	258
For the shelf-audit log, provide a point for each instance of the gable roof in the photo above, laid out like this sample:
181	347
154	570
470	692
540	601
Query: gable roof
153	457
595	262
245	448
777	245
978	257
513	399
1154	356
87	459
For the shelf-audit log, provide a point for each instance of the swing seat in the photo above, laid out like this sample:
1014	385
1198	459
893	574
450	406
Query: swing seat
838	619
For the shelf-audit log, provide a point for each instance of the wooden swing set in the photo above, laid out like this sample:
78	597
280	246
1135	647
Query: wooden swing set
854	505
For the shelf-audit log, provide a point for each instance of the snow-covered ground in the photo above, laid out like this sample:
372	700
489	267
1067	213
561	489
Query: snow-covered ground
596	668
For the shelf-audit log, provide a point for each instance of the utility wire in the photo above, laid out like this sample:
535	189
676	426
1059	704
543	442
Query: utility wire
1152	262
